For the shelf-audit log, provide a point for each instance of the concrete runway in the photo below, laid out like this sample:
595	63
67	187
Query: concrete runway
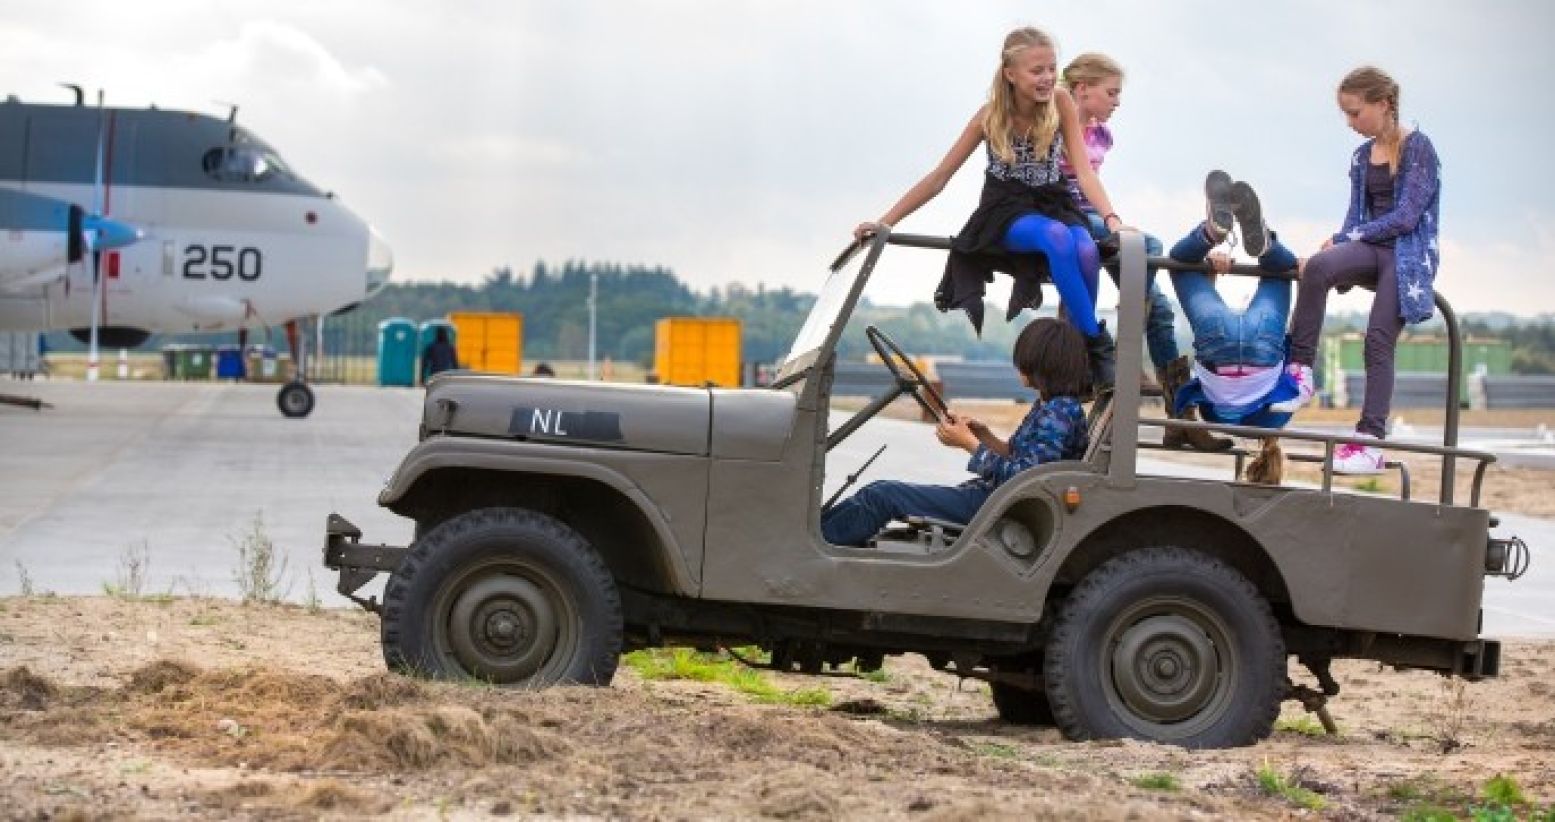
184	469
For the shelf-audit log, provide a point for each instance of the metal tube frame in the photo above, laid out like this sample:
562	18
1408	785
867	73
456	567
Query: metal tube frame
1134	264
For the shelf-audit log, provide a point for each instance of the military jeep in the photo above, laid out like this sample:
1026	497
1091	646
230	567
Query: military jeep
559	524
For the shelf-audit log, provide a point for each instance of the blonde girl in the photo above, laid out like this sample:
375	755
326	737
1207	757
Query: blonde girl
1026	223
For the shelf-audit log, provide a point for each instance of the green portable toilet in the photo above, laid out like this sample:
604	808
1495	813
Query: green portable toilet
396	352
428	334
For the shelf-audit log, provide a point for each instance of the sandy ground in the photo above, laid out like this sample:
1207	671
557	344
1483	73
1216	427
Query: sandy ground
198	708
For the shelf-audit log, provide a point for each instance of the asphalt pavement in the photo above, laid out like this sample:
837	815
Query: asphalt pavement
181	473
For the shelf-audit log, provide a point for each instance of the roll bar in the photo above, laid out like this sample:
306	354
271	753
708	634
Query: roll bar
1134	264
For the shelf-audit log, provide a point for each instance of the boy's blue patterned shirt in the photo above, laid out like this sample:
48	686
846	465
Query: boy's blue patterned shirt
1053	430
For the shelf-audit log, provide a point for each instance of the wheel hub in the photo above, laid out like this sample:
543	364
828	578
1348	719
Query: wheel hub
503	628
1165	668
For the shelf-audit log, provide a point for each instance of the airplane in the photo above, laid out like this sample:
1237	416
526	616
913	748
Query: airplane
180	221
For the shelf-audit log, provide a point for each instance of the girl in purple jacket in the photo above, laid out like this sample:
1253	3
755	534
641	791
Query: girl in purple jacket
1388	244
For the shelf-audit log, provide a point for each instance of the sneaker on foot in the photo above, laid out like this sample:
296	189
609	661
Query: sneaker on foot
1249	215
1306	386
1217	205
1353	458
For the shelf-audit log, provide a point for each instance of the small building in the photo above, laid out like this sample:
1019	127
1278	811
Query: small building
1420	364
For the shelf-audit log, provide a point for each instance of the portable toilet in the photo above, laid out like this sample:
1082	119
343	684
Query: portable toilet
229	362
397	352
429	333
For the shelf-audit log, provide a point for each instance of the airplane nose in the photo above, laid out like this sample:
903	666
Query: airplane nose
380	262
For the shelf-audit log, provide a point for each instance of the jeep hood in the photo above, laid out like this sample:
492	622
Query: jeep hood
662	419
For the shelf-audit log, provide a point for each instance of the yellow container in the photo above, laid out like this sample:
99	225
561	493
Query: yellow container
488	341
697	351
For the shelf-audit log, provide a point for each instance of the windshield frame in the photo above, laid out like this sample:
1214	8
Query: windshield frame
797	363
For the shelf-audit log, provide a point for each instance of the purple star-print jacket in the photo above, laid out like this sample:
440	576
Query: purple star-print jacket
1412	223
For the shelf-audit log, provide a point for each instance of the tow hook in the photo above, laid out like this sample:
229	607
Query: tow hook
1313	700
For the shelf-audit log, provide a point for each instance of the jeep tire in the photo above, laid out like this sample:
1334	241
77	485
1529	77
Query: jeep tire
1169	645
503	595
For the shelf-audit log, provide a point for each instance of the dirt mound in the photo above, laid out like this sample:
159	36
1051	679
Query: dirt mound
153	677
21	689
380	691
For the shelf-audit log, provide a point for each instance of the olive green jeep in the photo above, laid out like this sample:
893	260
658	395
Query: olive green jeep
560	524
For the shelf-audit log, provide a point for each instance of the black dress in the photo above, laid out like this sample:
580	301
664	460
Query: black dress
1010	190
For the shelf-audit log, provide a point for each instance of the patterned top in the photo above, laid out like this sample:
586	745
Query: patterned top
1412	222
1028	168
1098	140
1052	431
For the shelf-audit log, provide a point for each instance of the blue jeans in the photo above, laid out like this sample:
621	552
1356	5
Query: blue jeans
1160	330
1221	335
862	515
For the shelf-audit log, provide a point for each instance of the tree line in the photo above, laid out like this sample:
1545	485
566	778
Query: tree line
553	300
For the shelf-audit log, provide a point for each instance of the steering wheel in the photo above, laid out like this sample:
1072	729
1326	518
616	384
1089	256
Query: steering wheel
911	380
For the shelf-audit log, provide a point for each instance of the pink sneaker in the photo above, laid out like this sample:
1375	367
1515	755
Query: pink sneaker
1354	458
1306	386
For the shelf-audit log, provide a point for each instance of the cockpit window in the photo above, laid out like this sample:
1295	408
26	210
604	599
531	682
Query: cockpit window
243	164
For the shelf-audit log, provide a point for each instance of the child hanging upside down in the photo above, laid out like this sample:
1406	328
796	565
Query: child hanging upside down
1238	375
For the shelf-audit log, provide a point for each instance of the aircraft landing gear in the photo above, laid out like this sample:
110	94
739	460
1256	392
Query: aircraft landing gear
295	399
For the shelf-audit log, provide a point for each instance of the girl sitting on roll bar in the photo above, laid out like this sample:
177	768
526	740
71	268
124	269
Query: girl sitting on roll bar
1388	243
1026	223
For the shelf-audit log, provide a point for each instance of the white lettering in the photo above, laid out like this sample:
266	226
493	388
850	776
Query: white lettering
546	422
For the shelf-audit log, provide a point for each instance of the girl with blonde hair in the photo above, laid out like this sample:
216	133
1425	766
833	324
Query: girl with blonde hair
1026	224
1388	243
1096	83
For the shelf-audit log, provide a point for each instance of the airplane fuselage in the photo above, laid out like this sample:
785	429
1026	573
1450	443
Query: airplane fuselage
229	236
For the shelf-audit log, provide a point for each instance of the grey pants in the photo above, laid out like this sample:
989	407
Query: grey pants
1351	264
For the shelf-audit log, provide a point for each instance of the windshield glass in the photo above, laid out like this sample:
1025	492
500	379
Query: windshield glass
824	314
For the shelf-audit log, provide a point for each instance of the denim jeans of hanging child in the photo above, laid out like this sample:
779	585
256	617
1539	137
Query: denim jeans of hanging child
1221	334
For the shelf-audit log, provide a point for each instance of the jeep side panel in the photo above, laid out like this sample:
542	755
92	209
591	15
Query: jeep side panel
670	490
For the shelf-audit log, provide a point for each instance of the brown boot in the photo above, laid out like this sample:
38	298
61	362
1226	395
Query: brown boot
1173	377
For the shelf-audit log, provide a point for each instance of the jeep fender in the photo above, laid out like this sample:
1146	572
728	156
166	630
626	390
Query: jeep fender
523	458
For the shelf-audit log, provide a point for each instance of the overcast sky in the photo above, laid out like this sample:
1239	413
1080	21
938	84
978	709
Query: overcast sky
740	141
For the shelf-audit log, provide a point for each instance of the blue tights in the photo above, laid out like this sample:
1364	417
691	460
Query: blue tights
1071	256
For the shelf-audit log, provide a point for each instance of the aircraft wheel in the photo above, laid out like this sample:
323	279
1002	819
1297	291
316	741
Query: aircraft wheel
295	399
1168	645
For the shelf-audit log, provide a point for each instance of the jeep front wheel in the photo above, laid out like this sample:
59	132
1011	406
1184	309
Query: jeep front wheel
1167	645
503	595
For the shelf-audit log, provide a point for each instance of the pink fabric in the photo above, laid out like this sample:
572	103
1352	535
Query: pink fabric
1098	140
1240	370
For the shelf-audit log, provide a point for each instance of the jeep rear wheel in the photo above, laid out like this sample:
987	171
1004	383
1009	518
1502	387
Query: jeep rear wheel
504	595
1167	645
